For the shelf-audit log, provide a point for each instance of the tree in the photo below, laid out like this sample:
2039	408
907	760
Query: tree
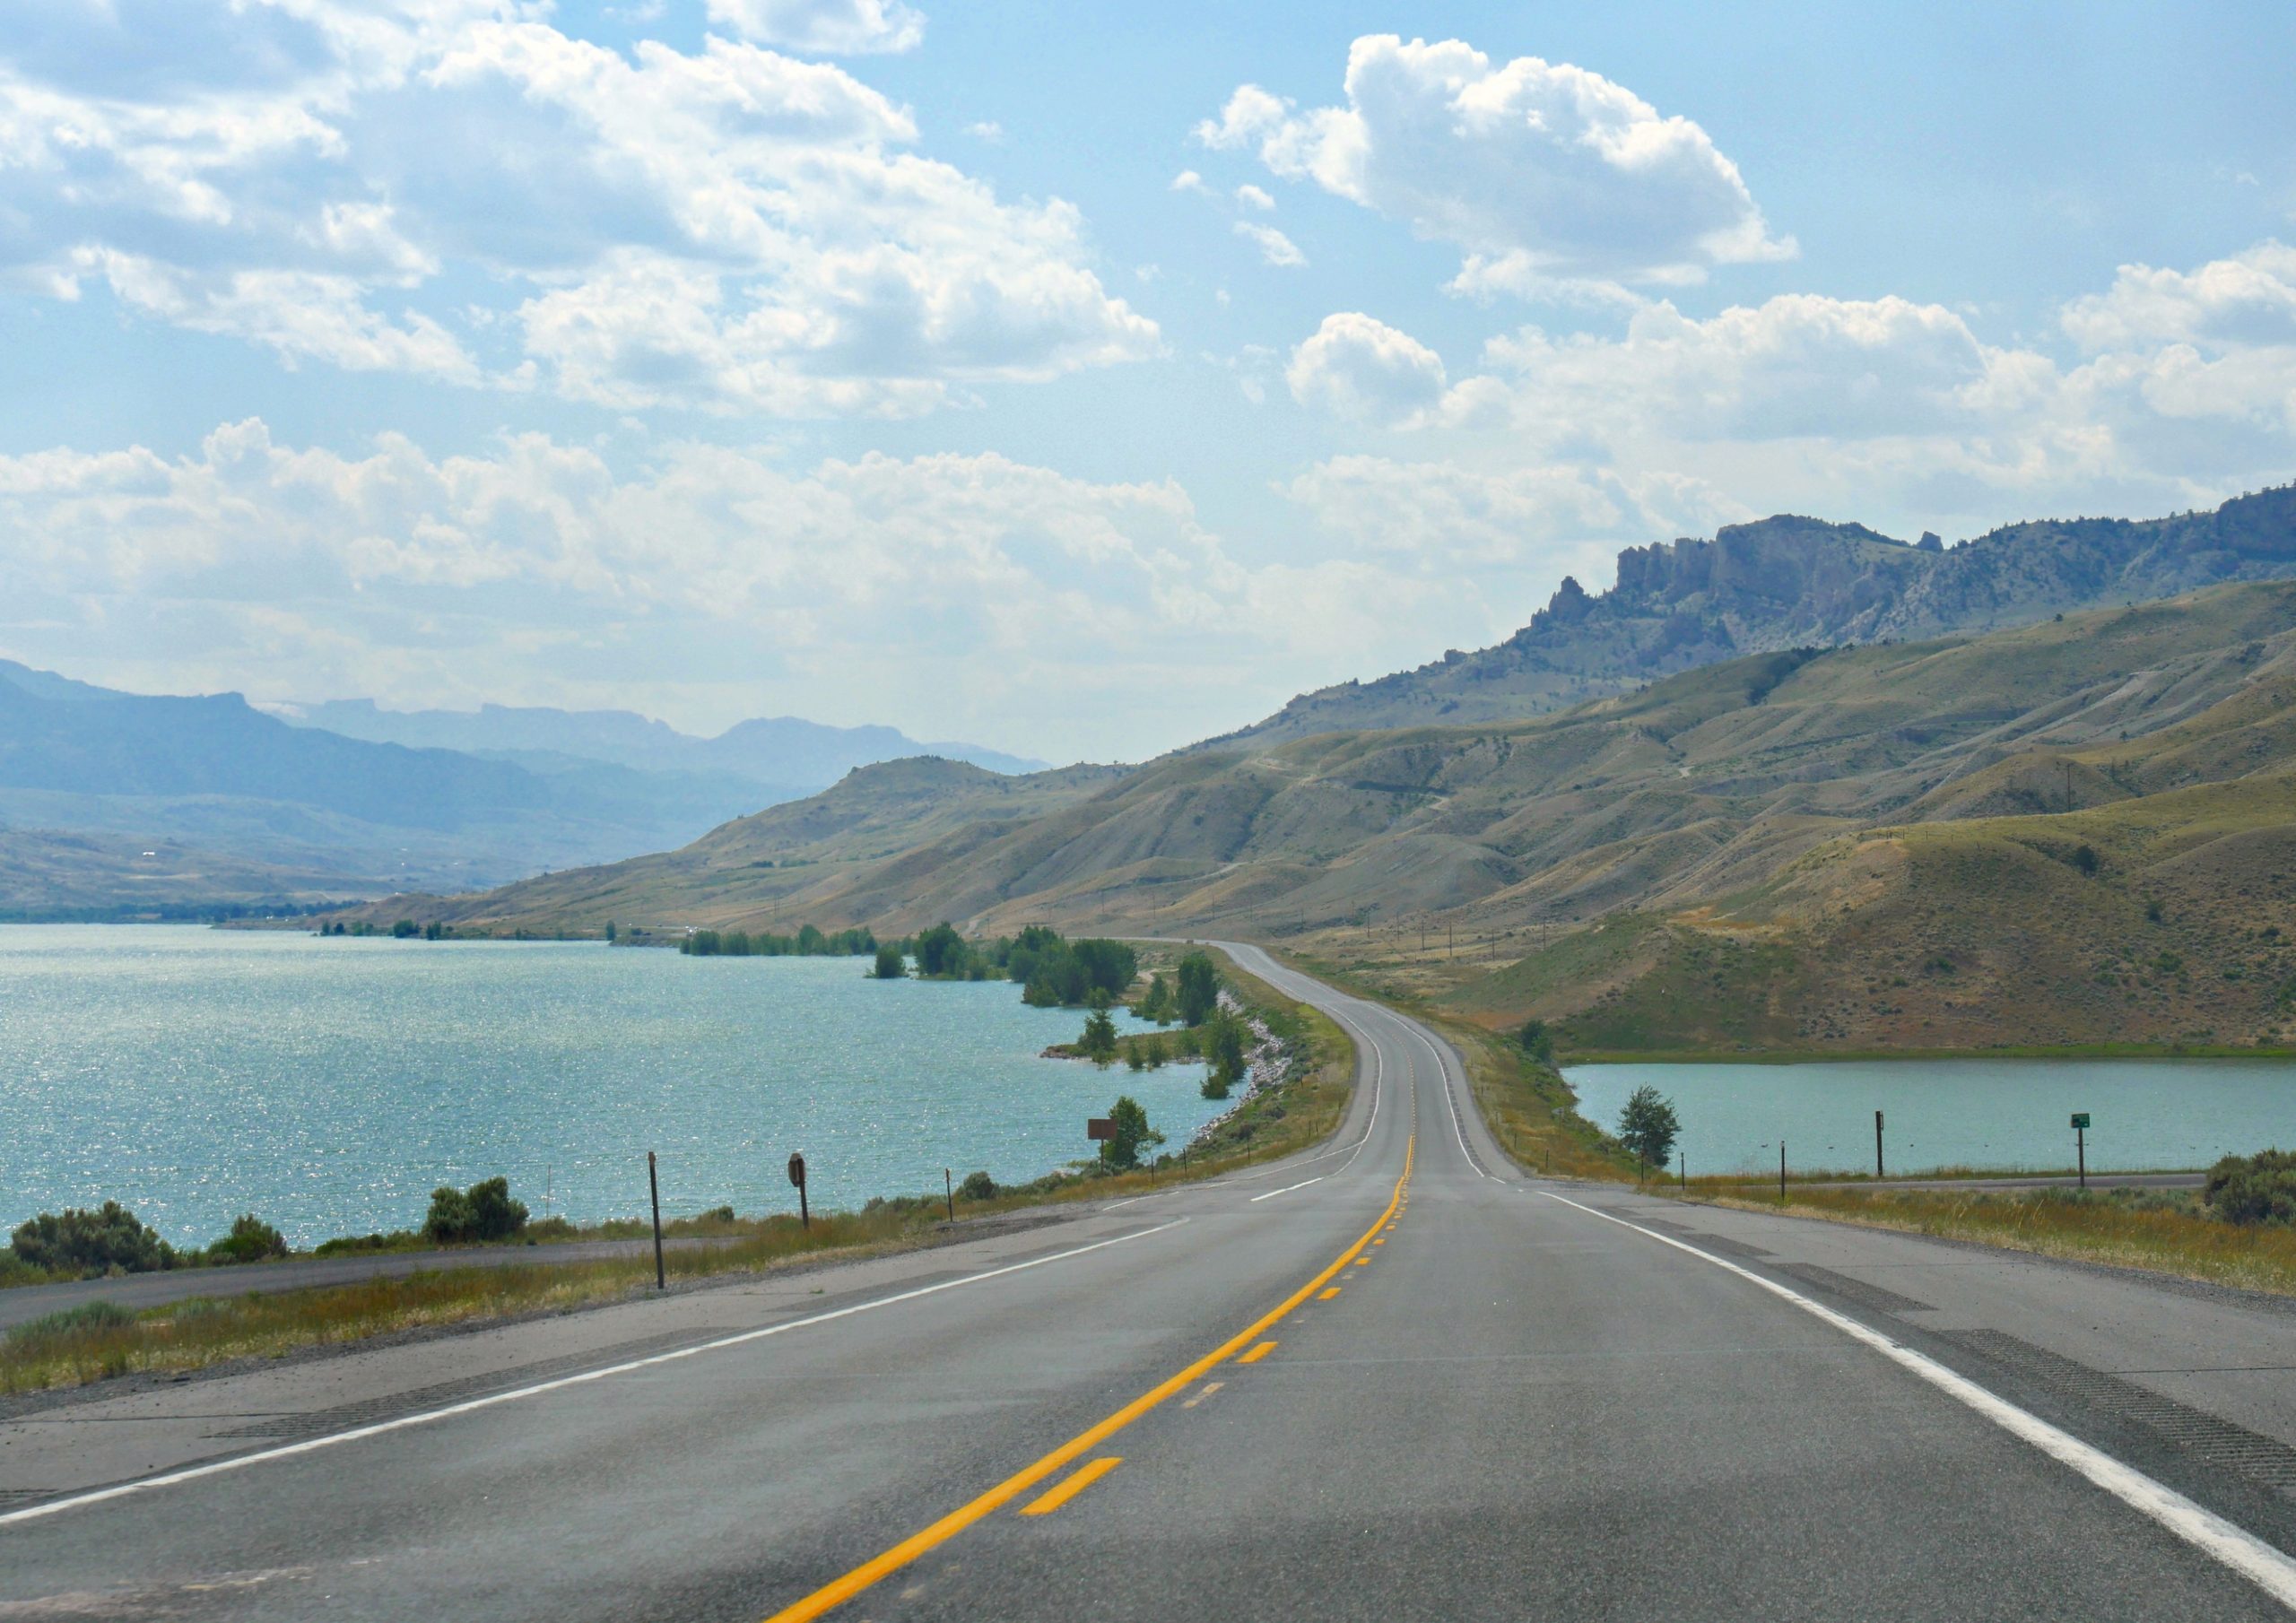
1223	1047
2085	858
1647	1127
1156	1003
1121	1153
977	1187
1098	1041
890	965
405	928
940	951
610	933
1198	992
1538	1041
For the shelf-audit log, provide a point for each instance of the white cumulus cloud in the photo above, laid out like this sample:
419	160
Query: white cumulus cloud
1359	368
1539	172
726	228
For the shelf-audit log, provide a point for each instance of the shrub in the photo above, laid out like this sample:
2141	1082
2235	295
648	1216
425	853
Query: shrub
82	1242
1538	1041
483	1211
2253	1188
404	929
251	1240
890	965
977	1186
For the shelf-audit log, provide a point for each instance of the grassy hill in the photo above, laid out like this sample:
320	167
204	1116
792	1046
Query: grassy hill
1863	847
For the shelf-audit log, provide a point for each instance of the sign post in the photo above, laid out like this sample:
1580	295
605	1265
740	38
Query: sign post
1877	1146
2080	1144
654	1187
797	1176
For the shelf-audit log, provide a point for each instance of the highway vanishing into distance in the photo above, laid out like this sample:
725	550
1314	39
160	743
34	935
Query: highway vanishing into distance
1395	1378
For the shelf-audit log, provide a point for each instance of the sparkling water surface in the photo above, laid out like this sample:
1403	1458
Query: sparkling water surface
2006	1113
329	1084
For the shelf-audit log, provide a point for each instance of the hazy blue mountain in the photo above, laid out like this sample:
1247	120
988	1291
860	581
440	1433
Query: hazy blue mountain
790	757
376	802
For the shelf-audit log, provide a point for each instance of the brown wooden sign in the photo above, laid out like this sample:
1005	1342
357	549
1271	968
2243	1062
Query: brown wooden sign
1100	1127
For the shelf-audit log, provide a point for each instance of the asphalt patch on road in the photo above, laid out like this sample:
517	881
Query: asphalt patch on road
2262	1460
1856	1290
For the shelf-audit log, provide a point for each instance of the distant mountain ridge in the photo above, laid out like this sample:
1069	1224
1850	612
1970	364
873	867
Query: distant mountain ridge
258	811
1789	582
780	751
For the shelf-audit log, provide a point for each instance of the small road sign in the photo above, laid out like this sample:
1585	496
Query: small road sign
797	1170
2080	1118
1100	1127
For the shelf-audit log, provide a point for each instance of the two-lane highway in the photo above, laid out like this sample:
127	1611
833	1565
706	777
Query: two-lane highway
1396	1378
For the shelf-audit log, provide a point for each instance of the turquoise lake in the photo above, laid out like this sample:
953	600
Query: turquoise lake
1959	1112
330	1084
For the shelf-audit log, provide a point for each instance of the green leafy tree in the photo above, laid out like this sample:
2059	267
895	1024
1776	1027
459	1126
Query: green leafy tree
1198	992
1223	1049
1098	1041
1153	1052
97	1241
405	928
890	965
1647	1127
1538	1041
940	951
1156	1003
610	933
1121	1153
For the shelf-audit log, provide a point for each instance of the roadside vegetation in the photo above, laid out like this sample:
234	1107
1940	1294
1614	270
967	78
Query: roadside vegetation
2237	1230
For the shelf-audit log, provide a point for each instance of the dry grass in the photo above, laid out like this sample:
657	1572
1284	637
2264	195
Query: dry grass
74	1347
2164	1230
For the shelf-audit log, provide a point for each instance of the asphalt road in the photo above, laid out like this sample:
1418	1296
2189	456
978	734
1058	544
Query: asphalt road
1396	1379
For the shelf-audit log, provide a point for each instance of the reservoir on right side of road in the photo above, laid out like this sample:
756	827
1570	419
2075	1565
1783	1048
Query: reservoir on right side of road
2006	1113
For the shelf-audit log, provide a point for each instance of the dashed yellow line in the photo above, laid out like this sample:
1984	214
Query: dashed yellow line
873	1571
1328	1295
1257	1353
1077	1483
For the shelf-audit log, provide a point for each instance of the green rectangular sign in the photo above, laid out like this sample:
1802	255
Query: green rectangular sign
2080	1118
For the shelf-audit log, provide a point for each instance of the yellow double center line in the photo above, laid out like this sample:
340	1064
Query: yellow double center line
878	1568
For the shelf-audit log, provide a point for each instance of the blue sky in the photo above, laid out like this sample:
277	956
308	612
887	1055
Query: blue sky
1080	379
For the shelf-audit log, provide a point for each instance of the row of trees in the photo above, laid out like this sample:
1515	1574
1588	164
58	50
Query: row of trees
810	942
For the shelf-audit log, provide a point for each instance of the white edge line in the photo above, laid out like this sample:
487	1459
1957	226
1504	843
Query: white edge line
1443	1076
1272	1194
2270	1569
312	1445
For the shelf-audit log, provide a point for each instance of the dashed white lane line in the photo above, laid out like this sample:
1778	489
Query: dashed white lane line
1272	1194
2268	1568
